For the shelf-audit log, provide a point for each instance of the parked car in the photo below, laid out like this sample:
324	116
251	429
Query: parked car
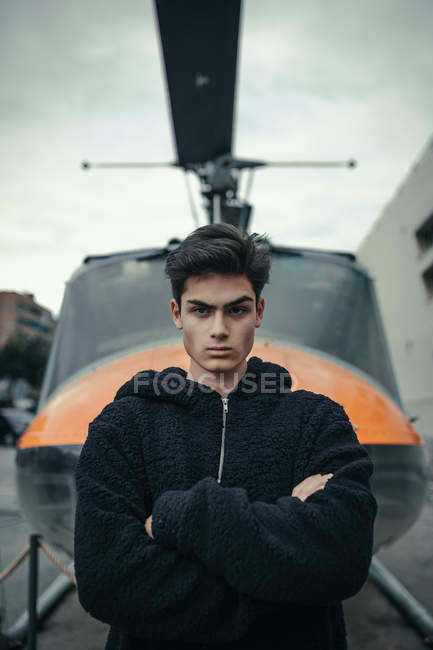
13	422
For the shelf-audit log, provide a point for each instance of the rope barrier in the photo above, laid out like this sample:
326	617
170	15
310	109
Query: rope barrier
31	549
49	552
11	568
56	560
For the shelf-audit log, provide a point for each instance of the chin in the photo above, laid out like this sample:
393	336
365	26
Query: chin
223	363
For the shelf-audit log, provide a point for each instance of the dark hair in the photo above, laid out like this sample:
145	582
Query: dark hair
219	248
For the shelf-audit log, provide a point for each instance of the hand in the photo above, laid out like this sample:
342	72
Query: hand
148	526
310	485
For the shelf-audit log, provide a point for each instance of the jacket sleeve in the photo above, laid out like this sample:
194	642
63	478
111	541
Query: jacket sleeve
124	577
312	552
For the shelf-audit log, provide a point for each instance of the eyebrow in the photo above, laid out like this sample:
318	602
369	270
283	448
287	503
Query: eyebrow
200	303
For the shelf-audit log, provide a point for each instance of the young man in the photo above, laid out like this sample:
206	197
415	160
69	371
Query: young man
215	505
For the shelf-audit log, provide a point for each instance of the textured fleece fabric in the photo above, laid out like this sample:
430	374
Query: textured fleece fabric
239	562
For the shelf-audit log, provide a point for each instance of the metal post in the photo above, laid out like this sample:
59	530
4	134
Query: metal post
33	592
420	618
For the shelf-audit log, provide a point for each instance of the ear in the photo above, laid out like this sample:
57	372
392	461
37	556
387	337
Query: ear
176	314
259	311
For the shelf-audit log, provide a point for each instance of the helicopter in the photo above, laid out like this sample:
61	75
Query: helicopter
324	323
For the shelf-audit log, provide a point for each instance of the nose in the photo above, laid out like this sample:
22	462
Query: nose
219	327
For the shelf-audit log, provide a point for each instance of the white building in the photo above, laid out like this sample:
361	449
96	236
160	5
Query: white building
398	251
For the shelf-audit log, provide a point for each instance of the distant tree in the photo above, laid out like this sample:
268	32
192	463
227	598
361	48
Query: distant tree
35	359
12	359
24	358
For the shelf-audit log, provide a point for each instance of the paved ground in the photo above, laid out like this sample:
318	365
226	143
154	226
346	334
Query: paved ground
372	622
14	537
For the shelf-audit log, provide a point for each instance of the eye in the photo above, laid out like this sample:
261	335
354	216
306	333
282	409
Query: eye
242	309
198	308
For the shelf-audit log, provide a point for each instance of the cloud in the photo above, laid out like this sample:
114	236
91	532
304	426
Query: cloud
316	80
77	56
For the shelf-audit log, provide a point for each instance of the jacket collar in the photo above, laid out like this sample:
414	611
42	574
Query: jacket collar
262	379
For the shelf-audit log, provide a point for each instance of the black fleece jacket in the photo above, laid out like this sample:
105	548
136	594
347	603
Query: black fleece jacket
235	559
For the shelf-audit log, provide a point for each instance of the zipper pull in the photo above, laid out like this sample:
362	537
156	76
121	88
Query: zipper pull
225	403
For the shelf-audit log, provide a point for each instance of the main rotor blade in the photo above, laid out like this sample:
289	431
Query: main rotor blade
86	164
199	41
311	163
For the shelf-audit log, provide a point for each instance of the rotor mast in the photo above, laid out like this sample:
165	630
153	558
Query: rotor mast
199	45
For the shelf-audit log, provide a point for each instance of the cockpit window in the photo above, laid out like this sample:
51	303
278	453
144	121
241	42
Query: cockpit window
314	301
329	306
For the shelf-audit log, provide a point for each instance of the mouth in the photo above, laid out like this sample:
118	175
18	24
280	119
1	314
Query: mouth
218	349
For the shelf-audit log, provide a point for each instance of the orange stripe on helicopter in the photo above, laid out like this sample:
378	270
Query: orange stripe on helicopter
65	418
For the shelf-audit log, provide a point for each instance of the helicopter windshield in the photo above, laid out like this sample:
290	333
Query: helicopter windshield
319	301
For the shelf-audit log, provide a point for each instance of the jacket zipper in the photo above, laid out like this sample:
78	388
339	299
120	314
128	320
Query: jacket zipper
225	401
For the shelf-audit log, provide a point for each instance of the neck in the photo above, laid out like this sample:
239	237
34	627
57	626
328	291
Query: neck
220	381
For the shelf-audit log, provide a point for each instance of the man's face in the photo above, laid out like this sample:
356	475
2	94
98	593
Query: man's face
209	320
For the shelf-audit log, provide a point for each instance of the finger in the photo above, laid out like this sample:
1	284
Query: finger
303	491
308	485
305	495
317	479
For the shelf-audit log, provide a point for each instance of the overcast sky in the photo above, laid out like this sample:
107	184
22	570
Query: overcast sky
316	80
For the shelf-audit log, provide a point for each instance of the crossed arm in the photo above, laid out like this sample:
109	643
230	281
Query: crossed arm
214	561
303	490
300	549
